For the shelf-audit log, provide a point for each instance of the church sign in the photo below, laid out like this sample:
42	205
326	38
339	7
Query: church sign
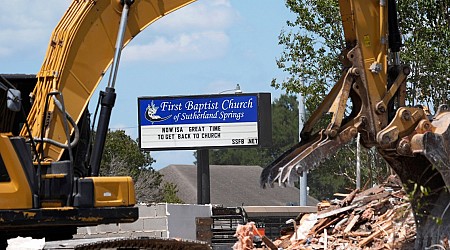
212	121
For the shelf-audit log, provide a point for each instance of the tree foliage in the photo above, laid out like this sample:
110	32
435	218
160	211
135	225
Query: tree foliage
170	193
120	147
426	33
312	45
313	41
122	157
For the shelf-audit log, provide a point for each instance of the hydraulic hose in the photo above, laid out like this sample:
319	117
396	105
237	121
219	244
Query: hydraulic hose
71	121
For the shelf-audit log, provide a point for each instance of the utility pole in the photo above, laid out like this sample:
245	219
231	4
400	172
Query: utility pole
358	162
303	179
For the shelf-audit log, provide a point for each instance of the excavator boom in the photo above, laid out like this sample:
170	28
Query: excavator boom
80	51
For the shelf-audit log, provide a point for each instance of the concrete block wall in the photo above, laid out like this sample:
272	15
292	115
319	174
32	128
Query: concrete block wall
157	220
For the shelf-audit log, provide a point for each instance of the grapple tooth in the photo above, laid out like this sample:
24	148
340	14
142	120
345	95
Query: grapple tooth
304	156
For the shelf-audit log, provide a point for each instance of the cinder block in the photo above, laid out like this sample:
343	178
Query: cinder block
125	234
152	224
137	226
92	230
163	234
113	234
143	234
161	210
87	230
87	236
79	236
81	231
147	211
108	228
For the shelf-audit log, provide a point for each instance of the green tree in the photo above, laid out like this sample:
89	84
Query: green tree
122	157
312	45
426	50
170	193
121	148
314	40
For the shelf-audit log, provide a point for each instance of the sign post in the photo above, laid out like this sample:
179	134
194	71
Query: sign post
203	179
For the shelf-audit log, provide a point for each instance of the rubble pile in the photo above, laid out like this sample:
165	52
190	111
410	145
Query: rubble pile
245	235
376	218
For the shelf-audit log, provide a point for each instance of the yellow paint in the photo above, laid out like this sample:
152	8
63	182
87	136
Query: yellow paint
90	219
15	194
367	40
29	214
58	208
113	191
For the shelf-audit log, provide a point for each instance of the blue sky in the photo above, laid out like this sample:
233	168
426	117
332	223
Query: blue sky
204	48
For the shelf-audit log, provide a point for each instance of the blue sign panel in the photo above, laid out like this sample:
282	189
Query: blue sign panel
201	121
229	109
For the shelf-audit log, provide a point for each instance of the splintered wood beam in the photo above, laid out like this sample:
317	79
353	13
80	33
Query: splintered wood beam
336	211
351	223
372	236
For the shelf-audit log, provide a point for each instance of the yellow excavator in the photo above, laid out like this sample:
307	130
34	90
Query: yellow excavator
373	86
49	183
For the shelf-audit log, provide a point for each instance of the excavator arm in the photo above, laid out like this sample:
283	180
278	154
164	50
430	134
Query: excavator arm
374	82
80	50
365	49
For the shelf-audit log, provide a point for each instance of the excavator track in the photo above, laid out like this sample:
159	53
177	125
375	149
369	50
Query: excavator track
129	243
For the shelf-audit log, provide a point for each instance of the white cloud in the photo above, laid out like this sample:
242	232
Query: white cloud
199	16
183	47
26	25
196	32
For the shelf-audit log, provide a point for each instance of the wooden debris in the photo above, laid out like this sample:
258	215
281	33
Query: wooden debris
348	200
376	218
378	232
351	223
336	211
323	205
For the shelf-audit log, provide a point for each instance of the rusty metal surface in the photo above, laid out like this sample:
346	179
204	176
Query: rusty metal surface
42	218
